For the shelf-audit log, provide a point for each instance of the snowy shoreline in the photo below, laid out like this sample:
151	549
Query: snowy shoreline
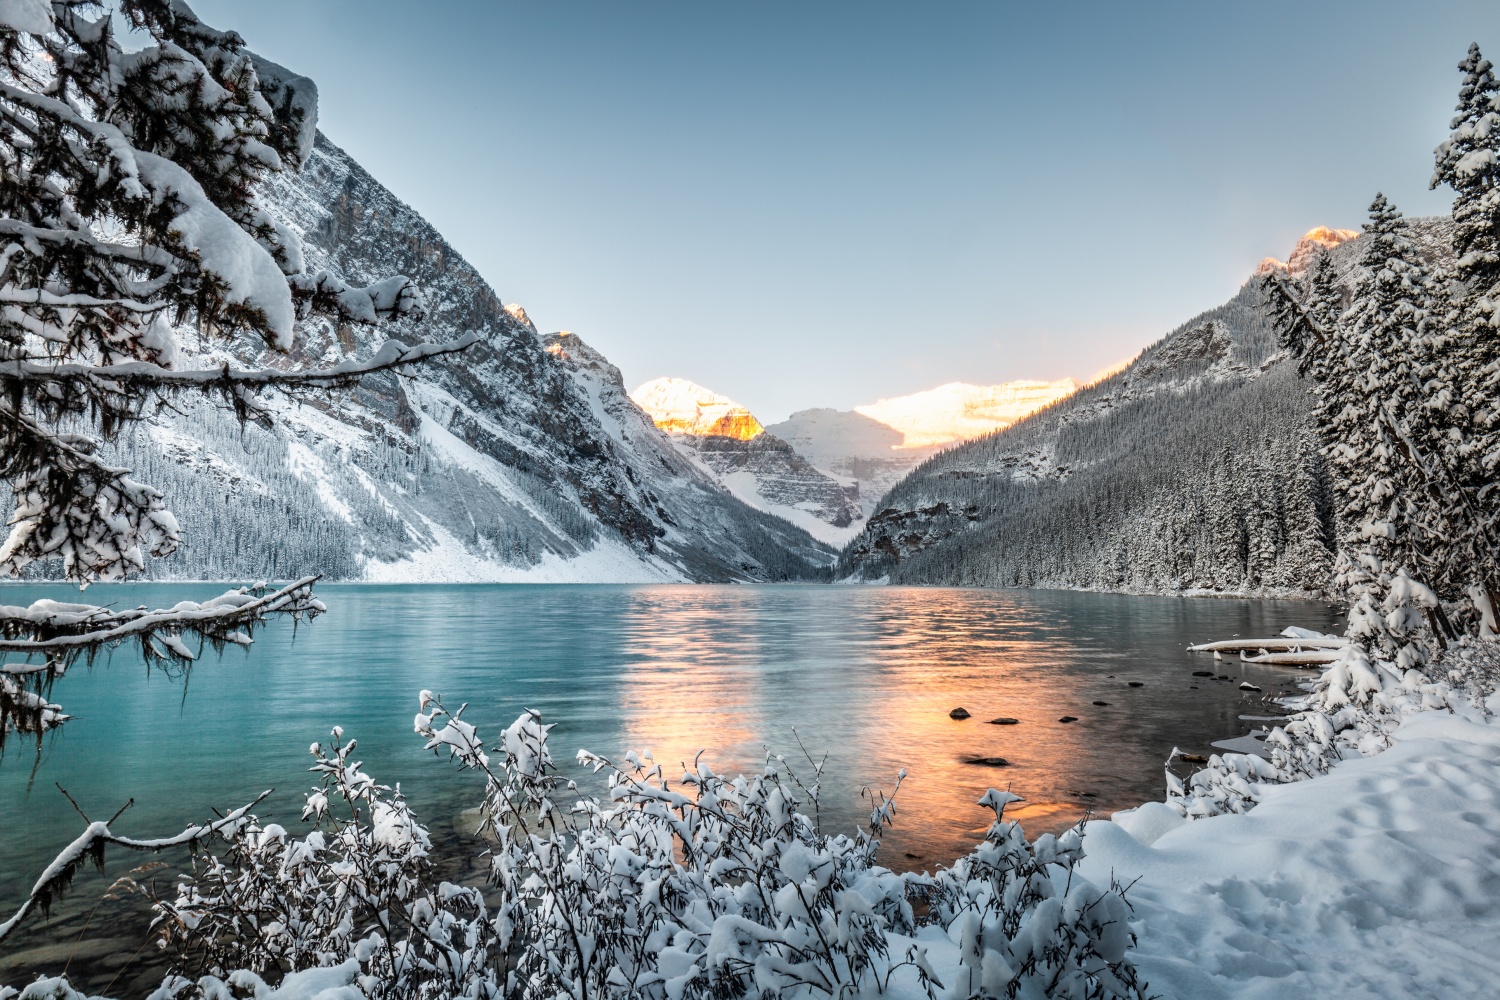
1380	878
1247	595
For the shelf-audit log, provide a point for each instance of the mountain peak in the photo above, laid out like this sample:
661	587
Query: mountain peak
679	406
1312	243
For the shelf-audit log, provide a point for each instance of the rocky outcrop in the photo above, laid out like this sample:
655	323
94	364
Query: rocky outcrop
759	468
1312	243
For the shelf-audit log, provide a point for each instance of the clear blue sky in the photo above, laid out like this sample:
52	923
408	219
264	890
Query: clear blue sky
820	204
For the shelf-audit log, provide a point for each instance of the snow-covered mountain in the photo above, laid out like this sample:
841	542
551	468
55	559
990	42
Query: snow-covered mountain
725	440
521	459
1312	243
1192	468
878	444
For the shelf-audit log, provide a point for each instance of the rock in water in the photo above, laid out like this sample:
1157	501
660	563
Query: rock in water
1137	684
987	761
959	713
1102	704
1247	686
1004	721
1068	718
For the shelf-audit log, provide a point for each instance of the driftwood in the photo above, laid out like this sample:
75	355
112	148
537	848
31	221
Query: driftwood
1279	643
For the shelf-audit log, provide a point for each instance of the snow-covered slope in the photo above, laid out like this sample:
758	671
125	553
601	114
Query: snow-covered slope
508	462
1377	880
724	439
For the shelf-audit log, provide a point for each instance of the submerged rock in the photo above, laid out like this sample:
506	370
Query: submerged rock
1005	721
1102	704
987	761
1068	718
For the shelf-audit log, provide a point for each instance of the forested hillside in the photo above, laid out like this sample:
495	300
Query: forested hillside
1193	469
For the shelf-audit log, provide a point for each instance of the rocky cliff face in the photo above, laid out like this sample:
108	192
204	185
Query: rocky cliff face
725	440
1312	243
520	459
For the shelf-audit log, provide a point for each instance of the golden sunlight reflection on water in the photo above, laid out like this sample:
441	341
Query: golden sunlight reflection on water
871	681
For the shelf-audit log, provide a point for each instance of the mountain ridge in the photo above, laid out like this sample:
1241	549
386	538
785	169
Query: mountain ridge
1194	469
504	463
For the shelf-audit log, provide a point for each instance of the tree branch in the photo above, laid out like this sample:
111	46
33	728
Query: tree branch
392	354
90	845
59	628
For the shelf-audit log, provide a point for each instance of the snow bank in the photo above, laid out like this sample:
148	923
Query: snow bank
448	560
1379	879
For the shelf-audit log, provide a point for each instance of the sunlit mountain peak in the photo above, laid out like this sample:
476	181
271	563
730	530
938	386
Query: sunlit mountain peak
681	407
1312	243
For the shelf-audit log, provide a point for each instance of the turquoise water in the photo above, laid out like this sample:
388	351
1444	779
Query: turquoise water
866	674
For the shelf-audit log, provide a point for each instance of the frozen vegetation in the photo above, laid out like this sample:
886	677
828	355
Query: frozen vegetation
1352	854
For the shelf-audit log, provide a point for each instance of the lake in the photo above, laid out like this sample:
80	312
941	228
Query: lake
867	675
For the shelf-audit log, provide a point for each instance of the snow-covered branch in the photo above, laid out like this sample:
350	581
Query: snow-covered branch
89	846
52	635
50	627
146	376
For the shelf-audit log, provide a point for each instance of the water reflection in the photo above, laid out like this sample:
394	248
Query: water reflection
871	676
866	674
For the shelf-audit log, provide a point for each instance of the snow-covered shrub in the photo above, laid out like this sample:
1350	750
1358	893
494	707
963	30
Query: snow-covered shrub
1020	932
357	888
1350	711
698	888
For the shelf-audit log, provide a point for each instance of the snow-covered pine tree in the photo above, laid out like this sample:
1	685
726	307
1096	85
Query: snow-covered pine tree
1468	161
1372	418
1307	556
1226	514
1463	371
128	209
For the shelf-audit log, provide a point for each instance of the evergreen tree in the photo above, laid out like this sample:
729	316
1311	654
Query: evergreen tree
128	210
1468	161
1307	554
1462	369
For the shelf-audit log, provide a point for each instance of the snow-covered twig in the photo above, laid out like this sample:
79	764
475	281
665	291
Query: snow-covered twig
59	633
392	354
89	846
